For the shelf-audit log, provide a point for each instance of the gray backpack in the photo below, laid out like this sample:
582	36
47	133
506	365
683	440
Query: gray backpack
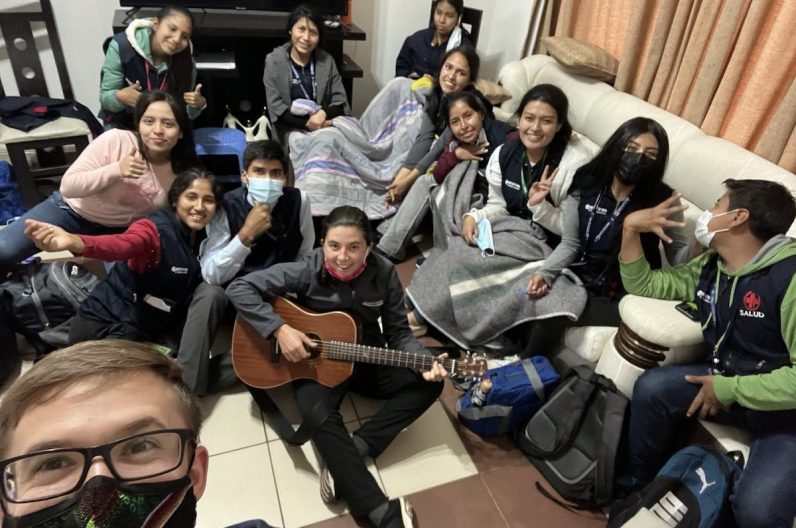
573	439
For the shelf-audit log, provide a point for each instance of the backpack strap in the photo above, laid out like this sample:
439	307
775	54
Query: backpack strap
613	417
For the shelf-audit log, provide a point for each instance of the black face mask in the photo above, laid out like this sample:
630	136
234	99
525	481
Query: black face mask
634	168
104	502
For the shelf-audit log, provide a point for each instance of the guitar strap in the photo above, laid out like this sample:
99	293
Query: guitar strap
311	422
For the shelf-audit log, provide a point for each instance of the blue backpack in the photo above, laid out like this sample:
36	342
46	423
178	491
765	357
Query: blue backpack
10	198
689	492
518	390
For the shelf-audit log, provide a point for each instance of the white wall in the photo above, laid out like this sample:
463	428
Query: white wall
84	24
388	22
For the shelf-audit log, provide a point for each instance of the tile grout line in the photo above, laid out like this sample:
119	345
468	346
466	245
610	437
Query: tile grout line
492	496
276	487
238	449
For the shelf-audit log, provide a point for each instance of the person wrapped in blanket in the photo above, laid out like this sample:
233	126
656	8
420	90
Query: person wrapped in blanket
626	175
299	69
153	291
471	135
546	145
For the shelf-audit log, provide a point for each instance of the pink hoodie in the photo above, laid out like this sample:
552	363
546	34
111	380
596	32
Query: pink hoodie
94	187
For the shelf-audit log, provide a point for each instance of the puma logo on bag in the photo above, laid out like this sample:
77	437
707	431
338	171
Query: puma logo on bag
705	484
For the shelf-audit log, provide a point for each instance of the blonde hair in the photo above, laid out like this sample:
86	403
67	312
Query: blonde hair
110	357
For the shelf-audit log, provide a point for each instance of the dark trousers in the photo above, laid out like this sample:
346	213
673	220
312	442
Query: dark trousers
408	396
195	335
766	492
543	336
15	246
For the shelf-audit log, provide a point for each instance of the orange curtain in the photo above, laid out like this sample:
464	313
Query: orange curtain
728	66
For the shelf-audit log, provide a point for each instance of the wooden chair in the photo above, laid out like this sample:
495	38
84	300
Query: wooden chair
38	154
471	21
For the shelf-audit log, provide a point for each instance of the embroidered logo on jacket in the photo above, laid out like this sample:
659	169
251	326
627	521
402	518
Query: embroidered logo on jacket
179	271
751	302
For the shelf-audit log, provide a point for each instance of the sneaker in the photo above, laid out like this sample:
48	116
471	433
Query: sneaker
418	329
400	514
419	262
328	494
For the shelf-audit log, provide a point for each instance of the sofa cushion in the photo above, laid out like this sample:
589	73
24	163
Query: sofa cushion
493	92
582	58
659	322
588	342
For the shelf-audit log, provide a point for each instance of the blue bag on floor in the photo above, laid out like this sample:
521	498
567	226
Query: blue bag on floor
518	390
10	200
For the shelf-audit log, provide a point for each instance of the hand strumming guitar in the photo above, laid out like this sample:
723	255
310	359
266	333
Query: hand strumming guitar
293	343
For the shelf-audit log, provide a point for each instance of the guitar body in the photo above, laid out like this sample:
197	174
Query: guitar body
257	364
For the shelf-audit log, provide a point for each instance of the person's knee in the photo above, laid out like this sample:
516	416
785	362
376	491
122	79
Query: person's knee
432	390
653	385
211	294
753	512
763	502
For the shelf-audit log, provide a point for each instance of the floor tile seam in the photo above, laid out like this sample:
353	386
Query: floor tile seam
277	439
494	500
233	450
276	487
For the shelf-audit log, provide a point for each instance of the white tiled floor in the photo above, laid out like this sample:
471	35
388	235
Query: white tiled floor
253	474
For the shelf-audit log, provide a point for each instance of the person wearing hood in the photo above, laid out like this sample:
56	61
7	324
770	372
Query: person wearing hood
744	288
266	222
151	54
625	176
422	52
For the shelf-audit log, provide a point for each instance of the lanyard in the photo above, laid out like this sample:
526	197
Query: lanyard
617	211
714	299
522	172
162	87
299	78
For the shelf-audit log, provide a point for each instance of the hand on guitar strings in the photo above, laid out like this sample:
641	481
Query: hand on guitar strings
293	343
437	372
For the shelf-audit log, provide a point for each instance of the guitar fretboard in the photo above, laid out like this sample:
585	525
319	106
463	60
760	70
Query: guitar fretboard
381	356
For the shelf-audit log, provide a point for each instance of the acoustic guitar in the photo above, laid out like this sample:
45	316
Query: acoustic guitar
259	364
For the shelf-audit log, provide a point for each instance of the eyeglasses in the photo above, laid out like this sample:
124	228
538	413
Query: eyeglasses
56	472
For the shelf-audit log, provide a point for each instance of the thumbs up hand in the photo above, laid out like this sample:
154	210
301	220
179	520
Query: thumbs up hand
195	98
132	166
129	95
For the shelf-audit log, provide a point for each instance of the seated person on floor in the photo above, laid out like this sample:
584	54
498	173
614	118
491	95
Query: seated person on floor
157	292
421	53
151	54
626	175
344	274
471	135
458	72
266	222
299	69
744	287
120	177
119	432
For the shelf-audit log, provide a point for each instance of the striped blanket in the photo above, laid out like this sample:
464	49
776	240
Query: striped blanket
352	162
474	299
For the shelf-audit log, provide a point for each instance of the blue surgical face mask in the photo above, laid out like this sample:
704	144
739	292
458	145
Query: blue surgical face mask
484	238
265	190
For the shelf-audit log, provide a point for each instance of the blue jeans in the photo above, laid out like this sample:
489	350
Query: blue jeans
15	246
764	495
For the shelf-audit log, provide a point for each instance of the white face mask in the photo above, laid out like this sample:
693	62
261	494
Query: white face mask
704	235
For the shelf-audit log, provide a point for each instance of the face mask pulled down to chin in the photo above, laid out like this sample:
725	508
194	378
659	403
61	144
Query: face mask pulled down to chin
104	502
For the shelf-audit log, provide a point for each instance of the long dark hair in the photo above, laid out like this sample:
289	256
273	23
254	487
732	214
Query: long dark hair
600	171
553	96
470	99
183	155
184	180
180	72
346	215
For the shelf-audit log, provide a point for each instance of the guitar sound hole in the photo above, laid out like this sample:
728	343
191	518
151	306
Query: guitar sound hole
314	352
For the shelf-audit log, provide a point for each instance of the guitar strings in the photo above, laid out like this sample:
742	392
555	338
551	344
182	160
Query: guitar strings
349	351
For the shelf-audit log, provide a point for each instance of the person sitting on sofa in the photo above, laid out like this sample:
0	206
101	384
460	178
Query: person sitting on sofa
103	433
300	70
471	135
744	288
271	223
626	175
156	291
421	53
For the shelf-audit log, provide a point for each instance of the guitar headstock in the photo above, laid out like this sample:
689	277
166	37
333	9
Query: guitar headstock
471	366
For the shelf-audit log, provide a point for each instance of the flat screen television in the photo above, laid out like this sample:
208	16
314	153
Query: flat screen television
326	7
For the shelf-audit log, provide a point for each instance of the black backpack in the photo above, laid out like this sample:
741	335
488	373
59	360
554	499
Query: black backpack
40	296
574	438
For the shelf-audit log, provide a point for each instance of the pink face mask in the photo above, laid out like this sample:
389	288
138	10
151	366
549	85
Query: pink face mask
345	278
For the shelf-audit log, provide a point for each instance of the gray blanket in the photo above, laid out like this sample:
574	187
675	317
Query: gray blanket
474	299
352	162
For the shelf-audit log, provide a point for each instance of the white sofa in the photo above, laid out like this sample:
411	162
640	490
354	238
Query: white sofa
653	332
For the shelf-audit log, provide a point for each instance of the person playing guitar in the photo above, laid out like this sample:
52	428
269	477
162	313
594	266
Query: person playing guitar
345	275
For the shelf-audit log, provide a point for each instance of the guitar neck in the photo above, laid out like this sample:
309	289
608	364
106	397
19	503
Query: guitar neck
382	356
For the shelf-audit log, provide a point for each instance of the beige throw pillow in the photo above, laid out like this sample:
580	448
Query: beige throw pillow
493	92
582	58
